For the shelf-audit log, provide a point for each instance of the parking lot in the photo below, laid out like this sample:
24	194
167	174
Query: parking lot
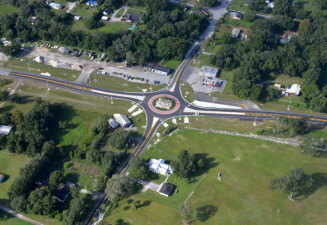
205	84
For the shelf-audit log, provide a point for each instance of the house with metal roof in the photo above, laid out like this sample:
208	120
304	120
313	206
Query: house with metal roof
159	166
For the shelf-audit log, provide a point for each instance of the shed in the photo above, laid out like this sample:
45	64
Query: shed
4	130
77	18
235	15
236	32
107	11
113	123
166	189
39	59
122	120
63	50
208	71
2	177
56	5
105	18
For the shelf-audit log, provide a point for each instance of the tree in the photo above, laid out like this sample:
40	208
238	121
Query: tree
283	7
120	186
140	169
200	163
41	201
186	212
18	204
250	16
184	166
16	117
313	144
56	178
12	49
291	126
15	98
76	212
119	139
296	182
109	162
100	124
304	27
91	23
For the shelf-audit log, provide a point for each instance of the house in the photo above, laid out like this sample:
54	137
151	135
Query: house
122	120
113	123
158	69
208	71
105	18
62	193
236	32
77	18
56	5
134	18
235	15
2	177
294	90
4	130
159	166
287	35
278	86
166	189
107	11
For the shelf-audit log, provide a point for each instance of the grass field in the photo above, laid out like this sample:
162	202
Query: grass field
6	9
187	92
8	219
9	166
120	84
120	13
115	27
243	196
37	68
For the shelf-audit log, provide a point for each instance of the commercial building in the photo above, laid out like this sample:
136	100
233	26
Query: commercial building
4	130
158	69
208	71
159	166
122	120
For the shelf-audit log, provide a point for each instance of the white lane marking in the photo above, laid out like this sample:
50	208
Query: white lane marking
211	112
119	95
214	105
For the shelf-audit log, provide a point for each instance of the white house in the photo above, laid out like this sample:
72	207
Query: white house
294	90
122	120
159	166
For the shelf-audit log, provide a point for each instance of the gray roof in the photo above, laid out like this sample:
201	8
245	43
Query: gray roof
236	32
166	189
134	17
208	70
158	67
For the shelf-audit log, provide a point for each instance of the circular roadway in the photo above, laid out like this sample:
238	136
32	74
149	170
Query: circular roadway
164	112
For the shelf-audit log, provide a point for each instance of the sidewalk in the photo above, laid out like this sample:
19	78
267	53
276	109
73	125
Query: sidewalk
20	216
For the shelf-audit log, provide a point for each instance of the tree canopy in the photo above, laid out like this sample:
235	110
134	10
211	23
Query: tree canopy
185	164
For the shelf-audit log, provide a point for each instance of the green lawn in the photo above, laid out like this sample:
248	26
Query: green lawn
120	84
9	166
287	80
243	196
84	10
187	92
8	219
120	13
115	27
7	9
38	68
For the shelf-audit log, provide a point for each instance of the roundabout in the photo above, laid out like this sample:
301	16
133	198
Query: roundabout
164	104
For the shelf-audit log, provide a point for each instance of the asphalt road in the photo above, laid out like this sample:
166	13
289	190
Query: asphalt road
154	119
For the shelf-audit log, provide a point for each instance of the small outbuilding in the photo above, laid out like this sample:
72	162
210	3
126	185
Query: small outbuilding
113	123
56	5
107	11
62	193
2	177
4	130
105	18
166	189
208	71
77	18
39	59
236	32
235	15
122	120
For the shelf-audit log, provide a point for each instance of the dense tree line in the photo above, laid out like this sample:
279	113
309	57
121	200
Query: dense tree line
168	34
264	57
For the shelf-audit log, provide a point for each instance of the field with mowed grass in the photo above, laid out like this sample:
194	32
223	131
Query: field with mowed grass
8	219
243	195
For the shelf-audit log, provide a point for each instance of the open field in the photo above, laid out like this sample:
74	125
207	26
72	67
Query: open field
120	84
243	196
6	9
8	219
187	92
37	68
